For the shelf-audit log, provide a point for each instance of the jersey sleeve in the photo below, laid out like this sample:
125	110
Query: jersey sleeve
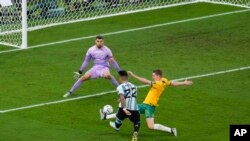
166	82
109	53
88	54
120	90
85	61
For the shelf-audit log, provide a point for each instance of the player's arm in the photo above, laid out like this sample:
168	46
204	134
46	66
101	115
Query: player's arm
114	64
178	83
123	103
85	63
141	79
113	61
83	66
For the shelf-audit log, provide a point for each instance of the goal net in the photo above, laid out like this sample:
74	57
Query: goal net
240	3
10	23
17	17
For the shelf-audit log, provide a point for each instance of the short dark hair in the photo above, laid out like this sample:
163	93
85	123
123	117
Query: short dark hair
99	37
123	73
158	72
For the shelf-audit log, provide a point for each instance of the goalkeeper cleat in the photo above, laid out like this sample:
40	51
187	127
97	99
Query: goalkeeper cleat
67	94
103	115
112	124
135	137
174	131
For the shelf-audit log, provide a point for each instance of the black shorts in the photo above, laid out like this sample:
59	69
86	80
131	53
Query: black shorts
134	117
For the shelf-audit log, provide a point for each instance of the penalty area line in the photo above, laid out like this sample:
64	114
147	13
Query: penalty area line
113	91
130	30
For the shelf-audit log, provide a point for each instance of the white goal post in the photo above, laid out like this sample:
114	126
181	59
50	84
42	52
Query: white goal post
18	17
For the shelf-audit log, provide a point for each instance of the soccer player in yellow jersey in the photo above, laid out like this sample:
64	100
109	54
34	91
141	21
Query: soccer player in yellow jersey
158	85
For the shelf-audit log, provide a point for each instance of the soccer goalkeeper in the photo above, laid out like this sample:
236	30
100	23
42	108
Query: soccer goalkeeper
101	56
158	85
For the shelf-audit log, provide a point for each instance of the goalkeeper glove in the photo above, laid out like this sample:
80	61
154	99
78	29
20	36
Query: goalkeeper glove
77	75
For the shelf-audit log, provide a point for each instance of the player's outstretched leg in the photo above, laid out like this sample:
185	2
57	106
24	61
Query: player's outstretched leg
116	125
104	116
77	84
113	125
111	116
152	125
165	129
174	131
112	79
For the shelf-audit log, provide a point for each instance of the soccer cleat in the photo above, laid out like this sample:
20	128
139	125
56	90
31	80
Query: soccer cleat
135	137
174	131
67	94
112	124
103	115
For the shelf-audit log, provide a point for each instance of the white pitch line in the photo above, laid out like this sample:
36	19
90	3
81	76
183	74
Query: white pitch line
130	30
113	91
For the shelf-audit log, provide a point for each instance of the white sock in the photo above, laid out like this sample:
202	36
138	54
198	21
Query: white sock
111	116
162	128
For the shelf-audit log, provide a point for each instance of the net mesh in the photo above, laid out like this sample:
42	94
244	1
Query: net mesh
10	21
46	13
244	3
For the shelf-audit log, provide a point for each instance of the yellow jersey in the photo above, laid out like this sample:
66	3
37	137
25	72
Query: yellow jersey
157	88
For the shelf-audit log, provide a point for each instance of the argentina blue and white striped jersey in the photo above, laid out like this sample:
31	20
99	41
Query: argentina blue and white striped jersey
129	91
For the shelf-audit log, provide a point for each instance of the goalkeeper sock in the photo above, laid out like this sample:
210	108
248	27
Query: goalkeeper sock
76	85
162	128
113	81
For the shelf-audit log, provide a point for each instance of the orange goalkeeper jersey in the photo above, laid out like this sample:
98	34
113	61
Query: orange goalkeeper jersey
157	88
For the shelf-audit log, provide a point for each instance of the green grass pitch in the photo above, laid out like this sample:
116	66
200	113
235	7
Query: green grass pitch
202	112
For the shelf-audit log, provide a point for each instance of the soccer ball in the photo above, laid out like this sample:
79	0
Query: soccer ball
108	109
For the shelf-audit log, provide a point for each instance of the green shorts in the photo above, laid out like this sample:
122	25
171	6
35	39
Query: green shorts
148	110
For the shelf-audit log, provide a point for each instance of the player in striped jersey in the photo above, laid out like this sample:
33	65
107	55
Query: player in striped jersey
128	107
158	85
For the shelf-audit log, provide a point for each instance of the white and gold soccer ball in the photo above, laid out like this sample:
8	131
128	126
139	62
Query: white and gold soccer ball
108	109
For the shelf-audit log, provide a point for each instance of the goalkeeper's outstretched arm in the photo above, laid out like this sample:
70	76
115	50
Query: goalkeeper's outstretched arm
83	67
141	79
114	64
84	64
